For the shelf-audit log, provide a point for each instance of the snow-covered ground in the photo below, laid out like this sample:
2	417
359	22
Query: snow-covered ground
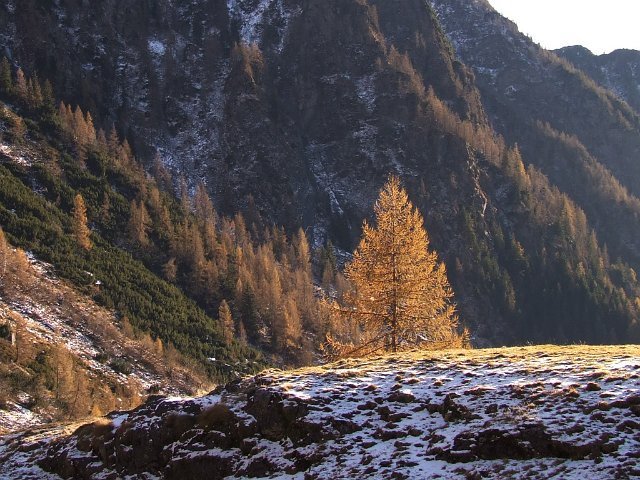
535	412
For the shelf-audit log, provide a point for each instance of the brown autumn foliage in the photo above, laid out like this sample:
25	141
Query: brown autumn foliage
401	297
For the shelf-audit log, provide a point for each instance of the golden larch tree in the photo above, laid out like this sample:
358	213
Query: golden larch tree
139	222
81	231
20	86
401	295
226	322
4	253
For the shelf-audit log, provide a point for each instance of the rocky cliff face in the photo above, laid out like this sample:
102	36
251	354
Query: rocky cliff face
307	107
282	100
618	71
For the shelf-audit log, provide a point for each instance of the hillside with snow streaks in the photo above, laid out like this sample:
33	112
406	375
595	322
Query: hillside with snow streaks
535	412
46	312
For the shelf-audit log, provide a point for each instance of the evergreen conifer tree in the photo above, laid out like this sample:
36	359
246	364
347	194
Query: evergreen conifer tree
20	87
6	81
226	322
139	224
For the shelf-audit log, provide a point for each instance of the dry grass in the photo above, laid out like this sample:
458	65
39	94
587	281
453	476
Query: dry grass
557	352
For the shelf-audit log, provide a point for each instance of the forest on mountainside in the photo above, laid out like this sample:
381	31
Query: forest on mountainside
165	262
295	119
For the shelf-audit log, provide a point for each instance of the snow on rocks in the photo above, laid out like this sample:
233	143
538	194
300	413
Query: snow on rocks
14	156
156	47
365	89
252	15
14	416
535	412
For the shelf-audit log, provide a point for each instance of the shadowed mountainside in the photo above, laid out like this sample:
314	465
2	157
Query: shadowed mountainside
303	108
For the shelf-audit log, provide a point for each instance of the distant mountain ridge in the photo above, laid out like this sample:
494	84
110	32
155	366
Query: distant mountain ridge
583	137
618	71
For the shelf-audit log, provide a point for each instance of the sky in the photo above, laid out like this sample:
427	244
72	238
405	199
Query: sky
599	26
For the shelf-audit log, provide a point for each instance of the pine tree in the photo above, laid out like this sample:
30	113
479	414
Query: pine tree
90	130
292	322
126	153
226	322
35	92
248	310
161	174
80	229
183	194
4	252
170	270
139	224
302	251
48	97
105	208
197	261
101	142
79	127
6	82
328	265
203	206
113	143
20	87
401	293
65	121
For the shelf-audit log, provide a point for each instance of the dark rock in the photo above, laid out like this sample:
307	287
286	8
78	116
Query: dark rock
387	434
528	442
402	397
370	405
206	466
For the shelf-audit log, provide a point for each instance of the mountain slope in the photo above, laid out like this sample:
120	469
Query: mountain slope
522	413
70	358
618	71
583	137
301	110
39	180
522	83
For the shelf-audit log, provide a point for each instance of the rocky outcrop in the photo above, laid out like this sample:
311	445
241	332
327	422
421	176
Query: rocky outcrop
529	411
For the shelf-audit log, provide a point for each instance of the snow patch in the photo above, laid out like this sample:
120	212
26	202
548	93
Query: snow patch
365	89
156	47
252	16
366	136
15	417
15	157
